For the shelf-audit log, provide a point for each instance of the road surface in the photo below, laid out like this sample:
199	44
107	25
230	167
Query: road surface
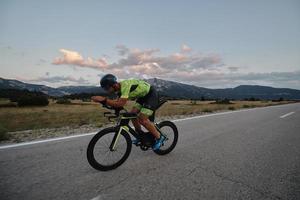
250	154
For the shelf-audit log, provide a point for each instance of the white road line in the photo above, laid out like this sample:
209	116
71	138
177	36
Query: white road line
43	141
290	113
93	133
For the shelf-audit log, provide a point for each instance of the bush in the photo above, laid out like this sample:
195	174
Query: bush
246	106
63	101
193	102
3	133
231	108
252	99
278	100
7	105
207	110
33	101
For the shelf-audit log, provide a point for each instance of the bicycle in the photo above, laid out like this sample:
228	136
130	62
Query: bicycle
115	142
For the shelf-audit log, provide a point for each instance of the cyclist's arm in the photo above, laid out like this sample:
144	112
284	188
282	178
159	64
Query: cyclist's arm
120	102
116	103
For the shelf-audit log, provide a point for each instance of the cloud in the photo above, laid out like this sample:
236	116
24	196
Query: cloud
272	76
147	62
185	49
74	58
187	66
122	49
59	80
233	69
219	79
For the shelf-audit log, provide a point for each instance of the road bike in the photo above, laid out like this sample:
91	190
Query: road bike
110	147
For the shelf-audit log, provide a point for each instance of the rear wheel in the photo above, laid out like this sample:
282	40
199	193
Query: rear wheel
169	130
99	154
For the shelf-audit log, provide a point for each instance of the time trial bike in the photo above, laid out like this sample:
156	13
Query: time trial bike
110	147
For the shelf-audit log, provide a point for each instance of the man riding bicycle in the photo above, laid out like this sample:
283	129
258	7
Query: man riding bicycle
146	102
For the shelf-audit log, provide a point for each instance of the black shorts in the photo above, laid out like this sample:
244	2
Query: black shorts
148	102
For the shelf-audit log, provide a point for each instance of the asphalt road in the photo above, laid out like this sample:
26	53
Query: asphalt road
253	154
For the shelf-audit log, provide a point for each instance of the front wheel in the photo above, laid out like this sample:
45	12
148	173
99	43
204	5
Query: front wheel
169	130
99	154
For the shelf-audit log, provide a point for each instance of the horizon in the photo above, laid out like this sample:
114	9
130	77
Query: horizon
153	78
215	44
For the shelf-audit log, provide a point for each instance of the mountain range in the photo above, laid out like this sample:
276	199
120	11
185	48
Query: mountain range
167	88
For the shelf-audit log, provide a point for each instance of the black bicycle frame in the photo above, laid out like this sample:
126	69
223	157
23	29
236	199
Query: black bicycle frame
123	126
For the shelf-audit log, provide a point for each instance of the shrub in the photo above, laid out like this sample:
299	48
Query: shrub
193	102
33	101
207	110
231	108
63	101
246	106
9	104
3	133
278	100
252	99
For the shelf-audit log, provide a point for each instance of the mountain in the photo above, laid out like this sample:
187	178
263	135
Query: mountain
15	84
180	90
168	88
61	91
257	91
81	89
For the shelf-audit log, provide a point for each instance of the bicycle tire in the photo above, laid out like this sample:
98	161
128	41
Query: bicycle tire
90	150
175	132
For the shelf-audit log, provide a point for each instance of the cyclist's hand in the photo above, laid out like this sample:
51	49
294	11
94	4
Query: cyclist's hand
98	98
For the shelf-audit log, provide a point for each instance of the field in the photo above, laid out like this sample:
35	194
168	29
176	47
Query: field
80	113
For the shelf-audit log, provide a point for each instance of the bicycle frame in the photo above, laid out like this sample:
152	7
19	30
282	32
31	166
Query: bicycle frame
123	126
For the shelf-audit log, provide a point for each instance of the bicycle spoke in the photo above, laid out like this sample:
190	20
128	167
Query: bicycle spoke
105	155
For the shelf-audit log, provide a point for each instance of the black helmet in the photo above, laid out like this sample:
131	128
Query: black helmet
107	81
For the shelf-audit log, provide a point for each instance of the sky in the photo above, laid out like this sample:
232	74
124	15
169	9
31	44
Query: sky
214	44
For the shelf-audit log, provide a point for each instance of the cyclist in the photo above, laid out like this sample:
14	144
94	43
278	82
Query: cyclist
146	102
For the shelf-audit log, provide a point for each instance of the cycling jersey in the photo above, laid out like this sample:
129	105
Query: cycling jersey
133	89
145	94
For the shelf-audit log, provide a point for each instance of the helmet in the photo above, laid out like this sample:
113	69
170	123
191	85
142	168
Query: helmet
107	81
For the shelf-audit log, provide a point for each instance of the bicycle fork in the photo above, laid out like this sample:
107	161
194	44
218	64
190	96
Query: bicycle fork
114	142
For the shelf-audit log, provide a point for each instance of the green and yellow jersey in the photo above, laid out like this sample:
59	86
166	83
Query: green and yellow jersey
134	88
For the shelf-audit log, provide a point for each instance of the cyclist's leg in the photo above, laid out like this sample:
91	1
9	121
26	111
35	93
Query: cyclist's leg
136	109
149	105
144	120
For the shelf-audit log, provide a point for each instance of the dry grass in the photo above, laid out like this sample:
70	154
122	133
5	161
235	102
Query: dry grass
188	107
80	113
54	115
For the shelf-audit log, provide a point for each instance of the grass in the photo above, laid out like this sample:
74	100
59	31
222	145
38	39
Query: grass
80	113
54	115
3	133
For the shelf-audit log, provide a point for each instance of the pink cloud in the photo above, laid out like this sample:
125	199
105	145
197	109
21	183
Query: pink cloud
74	58
138	63
185	49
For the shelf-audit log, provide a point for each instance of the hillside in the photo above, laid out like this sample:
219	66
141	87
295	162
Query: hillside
168	88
